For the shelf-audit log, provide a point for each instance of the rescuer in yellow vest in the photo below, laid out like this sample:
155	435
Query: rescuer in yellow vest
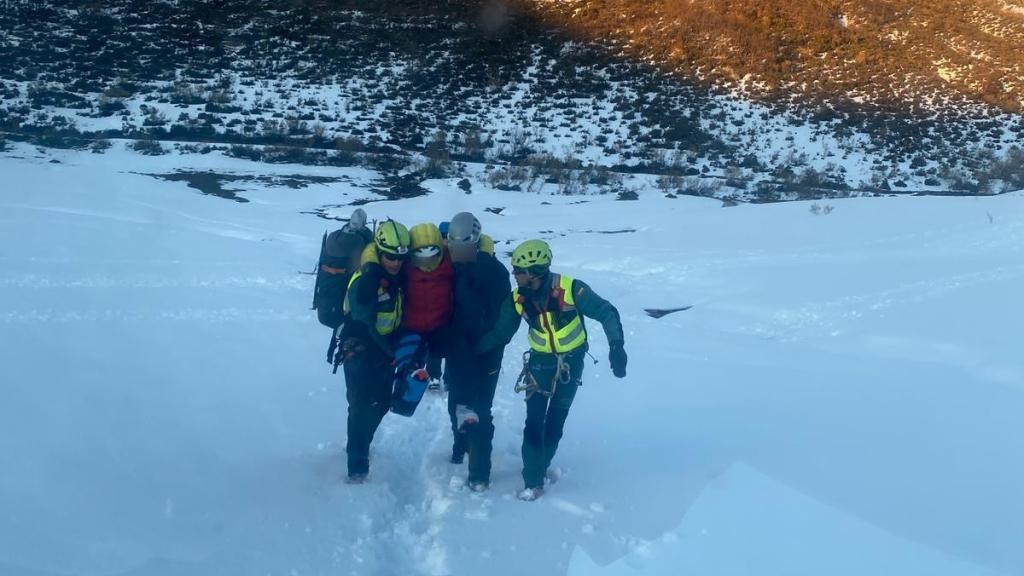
373	314
553	306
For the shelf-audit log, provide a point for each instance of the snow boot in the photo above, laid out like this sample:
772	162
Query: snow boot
530	494
359	478
478	485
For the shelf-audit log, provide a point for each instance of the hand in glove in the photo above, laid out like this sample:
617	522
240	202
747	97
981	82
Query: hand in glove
335	341
331	349
617	359
350	348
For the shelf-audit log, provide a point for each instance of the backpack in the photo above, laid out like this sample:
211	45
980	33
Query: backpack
333	272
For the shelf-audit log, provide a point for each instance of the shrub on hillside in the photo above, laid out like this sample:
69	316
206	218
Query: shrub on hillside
185	93
959	180
474	144
294	155
509	178
1006	174
386	162
245	152
820	210
347	150
100	146
41	94
437	159
147	147
693	186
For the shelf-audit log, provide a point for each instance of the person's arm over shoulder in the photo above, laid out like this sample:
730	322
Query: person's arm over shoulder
364	306
360	309
504	328
593	306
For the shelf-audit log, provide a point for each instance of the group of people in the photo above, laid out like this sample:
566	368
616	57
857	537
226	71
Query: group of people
444	285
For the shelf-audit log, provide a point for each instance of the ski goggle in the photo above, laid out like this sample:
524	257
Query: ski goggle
426	252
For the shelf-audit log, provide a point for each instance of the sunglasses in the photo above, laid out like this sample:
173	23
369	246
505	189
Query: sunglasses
529	271
393	257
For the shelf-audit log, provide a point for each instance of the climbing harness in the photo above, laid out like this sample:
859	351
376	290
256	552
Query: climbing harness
527	383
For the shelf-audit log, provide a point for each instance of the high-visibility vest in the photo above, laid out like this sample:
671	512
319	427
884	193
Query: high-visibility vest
559	332
389	309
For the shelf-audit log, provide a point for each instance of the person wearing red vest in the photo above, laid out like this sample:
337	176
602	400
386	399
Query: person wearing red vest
429	288
429	282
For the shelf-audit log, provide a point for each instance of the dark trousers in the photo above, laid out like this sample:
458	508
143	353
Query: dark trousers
438	344
369	380
545	415
474	380
434	365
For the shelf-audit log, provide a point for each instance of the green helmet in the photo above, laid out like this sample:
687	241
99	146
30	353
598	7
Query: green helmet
531	253
392	238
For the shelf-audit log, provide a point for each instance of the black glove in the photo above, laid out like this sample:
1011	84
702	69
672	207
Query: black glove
617	358
331	349
349	349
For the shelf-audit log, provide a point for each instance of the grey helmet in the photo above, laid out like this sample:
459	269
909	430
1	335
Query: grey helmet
357	225
464	237
357	221
464	229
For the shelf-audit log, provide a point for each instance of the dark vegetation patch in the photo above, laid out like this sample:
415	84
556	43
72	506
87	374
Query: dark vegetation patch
399	187
624	231
325	213
661	312
210	183
297	181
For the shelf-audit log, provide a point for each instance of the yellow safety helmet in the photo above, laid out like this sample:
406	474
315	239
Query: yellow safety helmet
531	253
392	238
425	236
427	246
487	244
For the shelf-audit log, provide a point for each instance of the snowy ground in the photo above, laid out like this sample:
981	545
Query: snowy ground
843	398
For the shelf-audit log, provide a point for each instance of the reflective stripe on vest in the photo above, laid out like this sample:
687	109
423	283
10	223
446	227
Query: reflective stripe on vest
545	335
389	310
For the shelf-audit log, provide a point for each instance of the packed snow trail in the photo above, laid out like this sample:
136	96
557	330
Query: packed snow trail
843	397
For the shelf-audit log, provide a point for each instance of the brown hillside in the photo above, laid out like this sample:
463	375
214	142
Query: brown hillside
901	53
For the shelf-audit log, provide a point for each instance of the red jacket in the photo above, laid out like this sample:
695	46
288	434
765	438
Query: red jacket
429	297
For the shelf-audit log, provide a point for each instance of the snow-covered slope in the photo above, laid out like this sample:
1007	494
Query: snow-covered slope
844	396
